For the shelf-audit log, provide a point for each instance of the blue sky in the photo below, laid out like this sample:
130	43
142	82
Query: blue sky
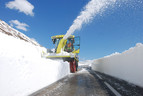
115	30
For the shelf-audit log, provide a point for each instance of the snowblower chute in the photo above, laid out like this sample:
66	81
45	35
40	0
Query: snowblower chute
67	50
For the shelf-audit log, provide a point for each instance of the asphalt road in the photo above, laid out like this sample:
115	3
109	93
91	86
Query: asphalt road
81	83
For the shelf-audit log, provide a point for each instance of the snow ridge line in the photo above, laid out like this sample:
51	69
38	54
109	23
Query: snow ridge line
6	29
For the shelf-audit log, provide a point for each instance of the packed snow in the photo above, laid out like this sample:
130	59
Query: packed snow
23	70
127	65
63	53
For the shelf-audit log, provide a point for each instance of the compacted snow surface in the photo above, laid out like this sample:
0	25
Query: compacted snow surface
23	70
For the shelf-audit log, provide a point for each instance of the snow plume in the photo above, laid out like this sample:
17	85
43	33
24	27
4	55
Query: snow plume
93	8
18	25
21	5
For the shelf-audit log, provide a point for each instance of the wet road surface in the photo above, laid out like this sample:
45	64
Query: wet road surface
81	83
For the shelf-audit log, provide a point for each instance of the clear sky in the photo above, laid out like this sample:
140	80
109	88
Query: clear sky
115	30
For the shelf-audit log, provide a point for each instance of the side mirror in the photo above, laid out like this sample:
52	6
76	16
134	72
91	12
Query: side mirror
54	40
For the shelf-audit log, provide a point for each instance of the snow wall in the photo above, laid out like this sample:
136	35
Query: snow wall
23	71
127	65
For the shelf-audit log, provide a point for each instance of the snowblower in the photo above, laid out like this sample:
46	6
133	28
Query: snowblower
67	50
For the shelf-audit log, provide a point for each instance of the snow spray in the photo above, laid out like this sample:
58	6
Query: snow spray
93	8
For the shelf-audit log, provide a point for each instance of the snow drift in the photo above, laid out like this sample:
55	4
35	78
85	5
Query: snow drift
22	70
127	65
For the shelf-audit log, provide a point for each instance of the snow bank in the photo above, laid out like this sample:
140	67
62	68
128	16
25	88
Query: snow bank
23	71
127	65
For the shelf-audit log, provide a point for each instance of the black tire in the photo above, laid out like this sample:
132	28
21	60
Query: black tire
76	65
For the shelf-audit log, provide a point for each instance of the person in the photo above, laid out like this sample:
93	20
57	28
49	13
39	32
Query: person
69	47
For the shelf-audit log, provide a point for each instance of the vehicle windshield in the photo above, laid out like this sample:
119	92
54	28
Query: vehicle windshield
57	42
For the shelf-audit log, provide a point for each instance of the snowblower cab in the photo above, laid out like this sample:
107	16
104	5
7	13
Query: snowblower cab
67	50
70	45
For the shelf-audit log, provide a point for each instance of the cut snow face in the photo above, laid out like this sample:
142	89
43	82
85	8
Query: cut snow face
22	70
126	65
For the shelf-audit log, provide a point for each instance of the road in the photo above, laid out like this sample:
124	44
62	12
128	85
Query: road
81	83
87	82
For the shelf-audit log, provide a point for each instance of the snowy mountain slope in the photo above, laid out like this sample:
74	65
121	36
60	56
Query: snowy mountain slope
22	69
87	62
126	65
5	28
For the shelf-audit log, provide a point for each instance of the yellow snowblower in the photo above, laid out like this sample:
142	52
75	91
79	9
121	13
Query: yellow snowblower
66	49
